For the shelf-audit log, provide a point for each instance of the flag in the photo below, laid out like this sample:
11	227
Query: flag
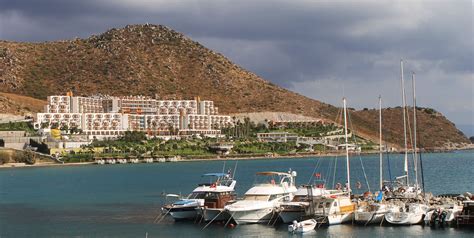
317	175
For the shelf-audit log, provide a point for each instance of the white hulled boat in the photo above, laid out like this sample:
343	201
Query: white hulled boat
302	226
374	210
444	214
299	206
337	208
370	213
222	186
414	211
217	198
260	202
334	209
410	214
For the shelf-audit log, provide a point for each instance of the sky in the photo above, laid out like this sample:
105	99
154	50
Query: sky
322	49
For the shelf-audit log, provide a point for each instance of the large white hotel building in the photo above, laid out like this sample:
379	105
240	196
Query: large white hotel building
110	116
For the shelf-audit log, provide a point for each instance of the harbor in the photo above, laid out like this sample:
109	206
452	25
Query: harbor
123	200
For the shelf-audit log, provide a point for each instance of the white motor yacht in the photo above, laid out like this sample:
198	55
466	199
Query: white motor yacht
260	202
188	208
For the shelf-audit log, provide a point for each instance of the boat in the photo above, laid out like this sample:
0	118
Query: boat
445	214
299	206
337	208
370	213
414	210
303	226
170	198
373	211
217	198
261	202
466	218
334	209
221	185
410	214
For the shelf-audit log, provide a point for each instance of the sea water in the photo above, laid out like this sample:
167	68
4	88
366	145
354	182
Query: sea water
123	200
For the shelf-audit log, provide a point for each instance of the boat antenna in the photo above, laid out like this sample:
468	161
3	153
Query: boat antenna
347	147
404	121
414	128
223	168
380	141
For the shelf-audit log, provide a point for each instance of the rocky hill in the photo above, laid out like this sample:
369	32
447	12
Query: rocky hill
155	60
19	105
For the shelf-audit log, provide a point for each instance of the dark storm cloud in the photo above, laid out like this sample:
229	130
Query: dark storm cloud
313	47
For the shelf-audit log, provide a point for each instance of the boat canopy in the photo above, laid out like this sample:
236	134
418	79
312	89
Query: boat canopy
270	173
215	174
173	195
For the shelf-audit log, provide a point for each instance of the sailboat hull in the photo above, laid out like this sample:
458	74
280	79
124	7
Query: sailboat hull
404	218
368	217
336	219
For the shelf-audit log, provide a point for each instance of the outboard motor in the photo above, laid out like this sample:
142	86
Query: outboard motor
434	217
442	217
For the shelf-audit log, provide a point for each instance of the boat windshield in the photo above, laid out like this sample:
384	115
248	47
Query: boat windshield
197	196
257	197
271	180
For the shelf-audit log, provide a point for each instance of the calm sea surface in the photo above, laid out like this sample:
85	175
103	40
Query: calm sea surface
122	200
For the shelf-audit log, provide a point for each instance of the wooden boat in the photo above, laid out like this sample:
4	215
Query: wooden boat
214	194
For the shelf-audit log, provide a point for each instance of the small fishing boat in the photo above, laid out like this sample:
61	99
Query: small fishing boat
303	226
261	202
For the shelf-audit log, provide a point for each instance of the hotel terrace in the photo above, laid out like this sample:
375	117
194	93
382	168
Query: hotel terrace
110	116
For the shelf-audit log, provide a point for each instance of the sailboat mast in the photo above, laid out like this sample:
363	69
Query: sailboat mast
347	147
380	140
414	128
404	120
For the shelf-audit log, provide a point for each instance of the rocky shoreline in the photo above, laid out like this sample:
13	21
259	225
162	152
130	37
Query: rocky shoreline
222	158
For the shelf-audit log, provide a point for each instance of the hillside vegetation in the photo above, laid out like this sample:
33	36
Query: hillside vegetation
155	60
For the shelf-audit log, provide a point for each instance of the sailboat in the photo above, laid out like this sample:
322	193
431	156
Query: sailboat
374	210
414	211
337	208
